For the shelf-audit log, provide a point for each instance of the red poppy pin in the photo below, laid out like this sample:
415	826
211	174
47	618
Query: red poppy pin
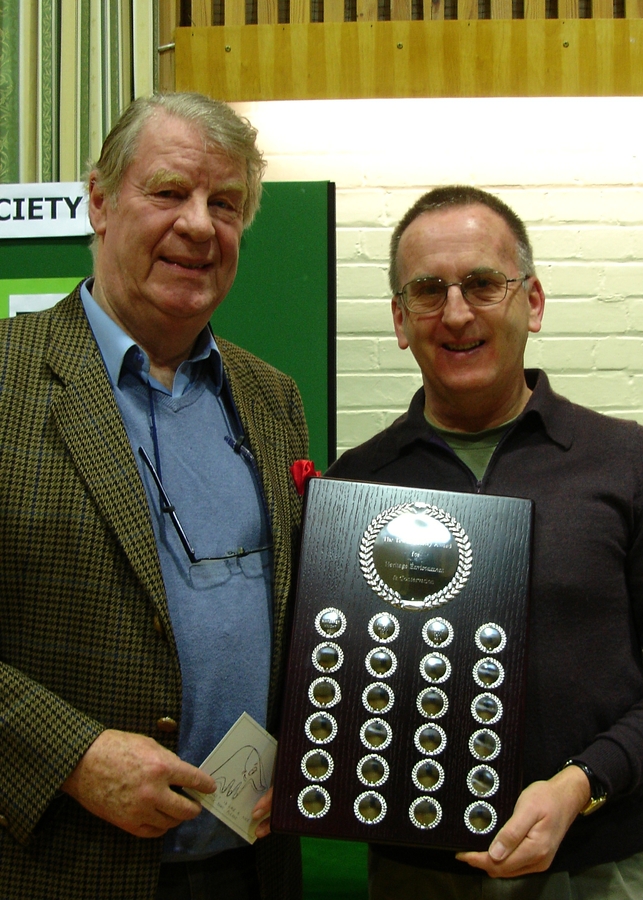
301	470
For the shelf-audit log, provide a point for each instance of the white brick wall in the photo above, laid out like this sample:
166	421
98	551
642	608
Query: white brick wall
571	167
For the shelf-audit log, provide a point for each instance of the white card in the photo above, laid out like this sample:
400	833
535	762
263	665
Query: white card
241	764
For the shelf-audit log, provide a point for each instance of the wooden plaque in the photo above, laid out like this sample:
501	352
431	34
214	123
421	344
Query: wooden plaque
404	697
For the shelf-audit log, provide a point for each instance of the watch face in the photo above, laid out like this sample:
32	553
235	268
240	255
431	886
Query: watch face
594	804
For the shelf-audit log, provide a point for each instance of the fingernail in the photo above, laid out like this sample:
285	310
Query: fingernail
497	851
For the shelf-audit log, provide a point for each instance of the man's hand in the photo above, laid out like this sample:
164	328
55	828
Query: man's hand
127	780
262	811
542	815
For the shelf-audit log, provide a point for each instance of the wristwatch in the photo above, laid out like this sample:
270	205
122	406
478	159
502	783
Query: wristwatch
598	794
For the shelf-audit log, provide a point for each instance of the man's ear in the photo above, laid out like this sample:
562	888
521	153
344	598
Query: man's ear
97	206
536	297
398	323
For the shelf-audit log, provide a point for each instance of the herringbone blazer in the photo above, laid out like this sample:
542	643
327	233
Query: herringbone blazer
86	641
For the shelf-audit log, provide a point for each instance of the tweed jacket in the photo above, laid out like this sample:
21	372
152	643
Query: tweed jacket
86	641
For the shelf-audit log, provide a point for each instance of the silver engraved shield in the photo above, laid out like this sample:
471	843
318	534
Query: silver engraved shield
415	556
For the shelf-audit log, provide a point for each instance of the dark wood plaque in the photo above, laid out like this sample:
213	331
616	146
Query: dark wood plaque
404	697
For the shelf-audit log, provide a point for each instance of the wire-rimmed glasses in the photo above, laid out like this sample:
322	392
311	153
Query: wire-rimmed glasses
427	295
169	508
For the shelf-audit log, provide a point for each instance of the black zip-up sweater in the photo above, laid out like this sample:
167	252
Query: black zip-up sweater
584	472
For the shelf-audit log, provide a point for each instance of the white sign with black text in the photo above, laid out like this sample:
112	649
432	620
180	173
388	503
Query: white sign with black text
43	210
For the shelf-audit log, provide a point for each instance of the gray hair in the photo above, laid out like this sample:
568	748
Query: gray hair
462	195
220	126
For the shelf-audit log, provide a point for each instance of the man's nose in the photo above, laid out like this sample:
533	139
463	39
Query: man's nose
195	220
456	312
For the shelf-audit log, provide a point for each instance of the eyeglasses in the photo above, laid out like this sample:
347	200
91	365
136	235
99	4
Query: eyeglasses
428	295
168	507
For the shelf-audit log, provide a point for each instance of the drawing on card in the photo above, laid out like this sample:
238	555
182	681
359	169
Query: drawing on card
240	771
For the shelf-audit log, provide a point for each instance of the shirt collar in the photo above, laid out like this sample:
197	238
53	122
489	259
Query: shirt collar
121	353
555	413
545	410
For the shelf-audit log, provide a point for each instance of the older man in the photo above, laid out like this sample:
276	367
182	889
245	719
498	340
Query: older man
148	520
465	297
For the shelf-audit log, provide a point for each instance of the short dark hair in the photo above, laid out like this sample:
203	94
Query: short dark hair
462	195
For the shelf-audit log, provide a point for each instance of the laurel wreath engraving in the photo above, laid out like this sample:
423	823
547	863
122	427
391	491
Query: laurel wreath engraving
392	596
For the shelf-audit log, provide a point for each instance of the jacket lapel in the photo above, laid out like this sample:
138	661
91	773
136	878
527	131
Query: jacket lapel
90	425
268	442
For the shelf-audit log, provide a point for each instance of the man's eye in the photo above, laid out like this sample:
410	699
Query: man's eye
225	208
482	283
227	204
429	288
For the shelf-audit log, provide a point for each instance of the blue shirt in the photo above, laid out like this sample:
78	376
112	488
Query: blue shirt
220	608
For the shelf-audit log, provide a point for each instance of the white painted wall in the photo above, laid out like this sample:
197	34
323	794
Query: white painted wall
571	167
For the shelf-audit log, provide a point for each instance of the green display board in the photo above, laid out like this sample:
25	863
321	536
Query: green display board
281	306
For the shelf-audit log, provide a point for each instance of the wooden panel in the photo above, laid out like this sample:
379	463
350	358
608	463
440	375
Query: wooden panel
567	9
602	9
201	13
634	9
467	9
500	9
333	11
367	10
267	12
299	11
486	58
401	9
534	9
235	12
434	9
168	21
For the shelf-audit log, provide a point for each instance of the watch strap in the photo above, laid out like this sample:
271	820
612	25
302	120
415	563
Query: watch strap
598	794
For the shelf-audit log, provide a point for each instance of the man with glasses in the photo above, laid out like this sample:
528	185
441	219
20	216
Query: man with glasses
149	522
465	297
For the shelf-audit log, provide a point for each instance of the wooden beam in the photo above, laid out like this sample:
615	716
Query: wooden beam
367	10
467	9
434	9
168	21
401	10
568	9
299	12
333	11
500	9
602	9
201	13
234	12
267	12
534	9
487	58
